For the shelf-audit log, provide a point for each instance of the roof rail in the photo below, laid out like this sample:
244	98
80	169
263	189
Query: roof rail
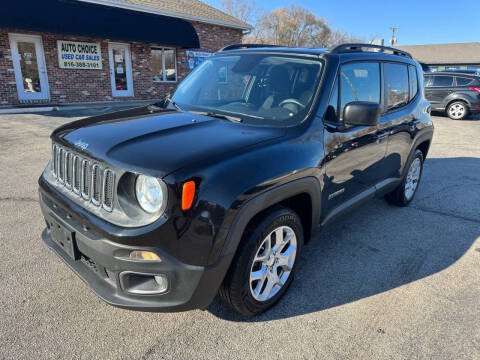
358	47
245	46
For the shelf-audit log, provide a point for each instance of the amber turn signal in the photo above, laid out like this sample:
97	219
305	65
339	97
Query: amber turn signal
144	256
188	194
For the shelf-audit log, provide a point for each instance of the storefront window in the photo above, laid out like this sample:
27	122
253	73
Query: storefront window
164	67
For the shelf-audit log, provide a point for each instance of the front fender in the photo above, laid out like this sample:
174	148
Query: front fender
308	185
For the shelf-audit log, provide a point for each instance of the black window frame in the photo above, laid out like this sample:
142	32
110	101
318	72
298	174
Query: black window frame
383	88
337	81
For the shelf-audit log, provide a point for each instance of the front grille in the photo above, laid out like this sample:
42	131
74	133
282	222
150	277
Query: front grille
96	184
108	189
83	177
77	174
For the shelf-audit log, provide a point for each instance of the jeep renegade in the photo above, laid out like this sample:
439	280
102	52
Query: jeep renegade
216	189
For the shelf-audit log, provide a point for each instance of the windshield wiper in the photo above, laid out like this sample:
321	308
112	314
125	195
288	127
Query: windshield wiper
168	100
219	116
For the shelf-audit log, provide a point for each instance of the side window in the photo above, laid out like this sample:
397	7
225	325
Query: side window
412	72
442	81
359	82
427	81
331	114
461	81
396	84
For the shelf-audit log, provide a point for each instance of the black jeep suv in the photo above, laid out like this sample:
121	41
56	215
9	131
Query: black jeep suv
217	189
456	93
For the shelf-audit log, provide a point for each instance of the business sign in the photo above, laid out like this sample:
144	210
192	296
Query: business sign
79	55
195	58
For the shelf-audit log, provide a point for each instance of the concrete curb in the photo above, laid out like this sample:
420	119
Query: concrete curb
28	110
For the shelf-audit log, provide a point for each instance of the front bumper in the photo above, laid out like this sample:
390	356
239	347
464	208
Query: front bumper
100	262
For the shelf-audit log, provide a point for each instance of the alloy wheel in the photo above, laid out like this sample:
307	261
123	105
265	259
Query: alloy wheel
413	177
457	111
273	263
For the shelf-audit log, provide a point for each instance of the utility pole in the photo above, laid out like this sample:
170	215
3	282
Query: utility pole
393	40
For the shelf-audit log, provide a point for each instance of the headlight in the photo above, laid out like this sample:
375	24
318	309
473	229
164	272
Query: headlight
151	194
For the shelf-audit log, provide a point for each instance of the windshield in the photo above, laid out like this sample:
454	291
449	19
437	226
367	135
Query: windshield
264	89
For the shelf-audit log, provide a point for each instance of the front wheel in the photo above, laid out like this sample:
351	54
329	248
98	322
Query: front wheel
405	192
264	263
457	110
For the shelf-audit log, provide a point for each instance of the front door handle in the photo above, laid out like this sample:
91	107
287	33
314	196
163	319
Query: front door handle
379	137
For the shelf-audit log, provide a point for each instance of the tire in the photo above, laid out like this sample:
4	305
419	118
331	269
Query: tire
404	193
457	110
249	297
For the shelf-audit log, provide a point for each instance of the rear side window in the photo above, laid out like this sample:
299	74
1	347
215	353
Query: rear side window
396	84
427	81
359	82
412	72
461	81
442	81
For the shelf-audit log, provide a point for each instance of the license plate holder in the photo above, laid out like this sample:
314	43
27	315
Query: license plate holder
65	239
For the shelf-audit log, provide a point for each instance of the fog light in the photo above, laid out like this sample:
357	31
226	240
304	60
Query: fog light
162	282
144	256
143	284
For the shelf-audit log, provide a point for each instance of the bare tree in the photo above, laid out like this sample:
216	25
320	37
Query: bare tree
245	10
339	37
293	26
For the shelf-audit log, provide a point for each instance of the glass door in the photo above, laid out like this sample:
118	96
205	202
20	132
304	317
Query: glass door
120	69
29	66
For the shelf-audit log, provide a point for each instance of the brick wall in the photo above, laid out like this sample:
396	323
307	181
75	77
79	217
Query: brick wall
70	85
8	87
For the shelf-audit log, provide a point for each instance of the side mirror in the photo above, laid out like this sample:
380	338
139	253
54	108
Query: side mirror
360	113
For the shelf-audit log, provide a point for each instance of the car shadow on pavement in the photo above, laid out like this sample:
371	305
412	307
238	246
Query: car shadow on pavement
380	247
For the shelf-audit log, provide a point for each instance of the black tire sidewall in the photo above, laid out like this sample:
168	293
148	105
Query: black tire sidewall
241	277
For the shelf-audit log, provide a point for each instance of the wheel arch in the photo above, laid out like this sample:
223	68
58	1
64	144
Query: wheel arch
302	196
424	146
451	100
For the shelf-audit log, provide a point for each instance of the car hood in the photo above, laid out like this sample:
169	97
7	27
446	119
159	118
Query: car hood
160	142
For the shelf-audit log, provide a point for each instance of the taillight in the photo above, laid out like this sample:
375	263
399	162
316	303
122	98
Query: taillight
476	88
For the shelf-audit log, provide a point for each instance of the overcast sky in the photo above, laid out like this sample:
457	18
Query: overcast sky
420	21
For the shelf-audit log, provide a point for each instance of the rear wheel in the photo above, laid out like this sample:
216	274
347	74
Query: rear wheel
457	110
264	264
405	192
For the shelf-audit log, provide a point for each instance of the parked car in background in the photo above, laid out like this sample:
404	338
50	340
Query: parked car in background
216	189
456	93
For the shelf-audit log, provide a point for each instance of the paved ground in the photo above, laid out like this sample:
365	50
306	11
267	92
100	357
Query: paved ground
383	283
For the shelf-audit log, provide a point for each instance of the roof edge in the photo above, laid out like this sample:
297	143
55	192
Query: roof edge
146	9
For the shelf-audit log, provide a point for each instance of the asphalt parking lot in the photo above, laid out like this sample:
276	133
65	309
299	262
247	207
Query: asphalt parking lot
383	282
